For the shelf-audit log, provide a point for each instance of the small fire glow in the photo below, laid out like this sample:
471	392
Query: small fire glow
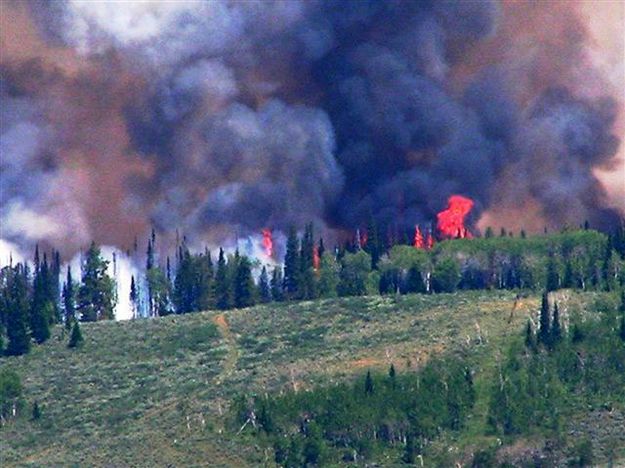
316	258
418	239
451	221
267	242
429	240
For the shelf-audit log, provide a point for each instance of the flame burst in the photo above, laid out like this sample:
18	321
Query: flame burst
268	242
418	239
451	221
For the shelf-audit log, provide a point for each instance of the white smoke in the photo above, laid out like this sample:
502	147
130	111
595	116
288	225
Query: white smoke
121	268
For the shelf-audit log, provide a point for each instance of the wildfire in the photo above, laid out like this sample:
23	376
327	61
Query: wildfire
316	258
451	221
418	239
267	242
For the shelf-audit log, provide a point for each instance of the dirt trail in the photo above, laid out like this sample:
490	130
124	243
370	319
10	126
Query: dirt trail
232	357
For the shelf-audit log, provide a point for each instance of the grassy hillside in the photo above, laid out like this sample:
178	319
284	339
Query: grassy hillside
156	392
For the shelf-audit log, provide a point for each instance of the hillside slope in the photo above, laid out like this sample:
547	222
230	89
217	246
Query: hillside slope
156	392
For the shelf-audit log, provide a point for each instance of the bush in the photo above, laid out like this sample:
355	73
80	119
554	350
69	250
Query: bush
11	401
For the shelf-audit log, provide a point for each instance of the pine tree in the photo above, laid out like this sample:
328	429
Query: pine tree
489	232
306	282
368	384
264	289
410	451
545	320
556	330
277	292
69	299
41	308
391	372
36	414
16	303
291	265
75	339
222	283
96	295
243	284
552	274
622	328
530	339
134	297
184	289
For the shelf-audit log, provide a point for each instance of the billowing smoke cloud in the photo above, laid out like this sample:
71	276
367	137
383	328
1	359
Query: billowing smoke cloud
221	118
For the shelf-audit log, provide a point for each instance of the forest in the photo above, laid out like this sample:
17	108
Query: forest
33	300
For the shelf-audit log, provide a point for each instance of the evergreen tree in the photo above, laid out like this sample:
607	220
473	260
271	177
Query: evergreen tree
277	291
552	274
204	281
75	339
243	284
556	330
15	302
69	299
410	451
368	384
222	283
36	414
545	320
41	309
391	372
306	282
184	294
291	265
530	339
96	295
489	232
134	297
264	289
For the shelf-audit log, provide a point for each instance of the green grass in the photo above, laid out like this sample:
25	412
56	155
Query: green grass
156	392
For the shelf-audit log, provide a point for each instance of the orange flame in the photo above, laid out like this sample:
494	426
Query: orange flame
451	220
316	258
267	242
429	240
418	239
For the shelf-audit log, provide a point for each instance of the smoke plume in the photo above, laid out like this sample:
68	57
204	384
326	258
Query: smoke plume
219	119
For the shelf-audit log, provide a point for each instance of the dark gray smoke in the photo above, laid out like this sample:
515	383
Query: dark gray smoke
234	116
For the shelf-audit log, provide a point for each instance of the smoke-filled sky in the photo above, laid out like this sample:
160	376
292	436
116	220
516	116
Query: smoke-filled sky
220	118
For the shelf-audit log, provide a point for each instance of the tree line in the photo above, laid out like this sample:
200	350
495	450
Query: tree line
32	301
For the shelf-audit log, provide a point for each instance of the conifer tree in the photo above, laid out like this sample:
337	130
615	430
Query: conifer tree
243	284
96	295
36	414
556	330
184	289
69	299
368	384
277	292
16	303
545	320
41	309
134	297
391	372
75	339
622	328
291	265
264	289
410	451
222	283
530	338
552	274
